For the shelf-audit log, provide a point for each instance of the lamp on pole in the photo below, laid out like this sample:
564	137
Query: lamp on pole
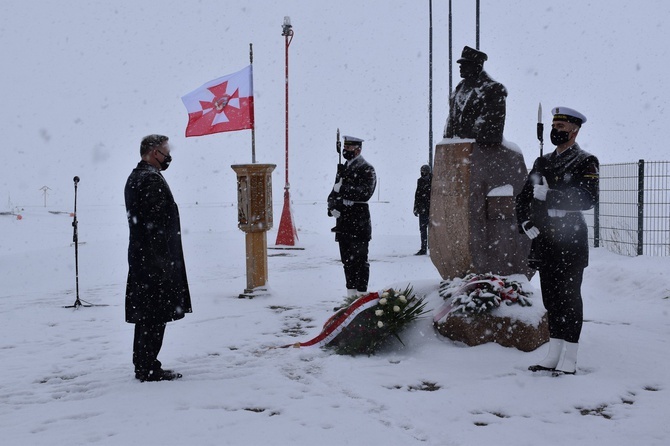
286	234
287	32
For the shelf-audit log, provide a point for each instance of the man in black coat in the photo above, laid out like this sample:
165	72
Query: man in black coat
347	202
477	105
549	210
422	206
157	288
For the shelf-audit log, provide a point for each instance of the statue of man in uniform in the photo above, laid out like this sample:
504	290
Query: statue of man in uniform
477	105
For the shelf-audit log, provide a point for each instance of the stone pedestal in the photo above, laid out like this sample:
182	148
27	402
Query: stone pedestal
476	329
473	226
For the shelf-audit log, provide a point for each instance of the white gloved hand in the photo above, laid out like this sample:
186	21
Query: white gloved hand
532	231
540	190
335	213
347	202
337	186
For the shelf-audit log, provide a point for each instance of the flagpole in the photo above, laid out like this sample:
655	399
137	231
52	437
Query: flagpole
477	23
451	82
430	84
253	120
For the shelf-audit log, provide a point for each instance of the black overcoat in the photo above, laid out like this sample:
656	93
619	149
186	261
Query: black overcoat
422	195
359	181
477	109
157	288
573	181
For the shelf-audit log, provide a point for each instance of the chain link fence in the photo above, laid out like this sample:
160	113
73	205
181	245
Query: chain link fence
633	216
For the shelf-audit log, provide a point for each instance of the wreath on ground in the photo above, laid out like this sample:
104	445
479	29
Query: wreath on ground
481	293
362	324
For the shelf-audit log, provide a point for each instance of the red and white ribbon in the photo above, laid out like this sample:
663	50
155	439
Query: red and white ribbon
339	321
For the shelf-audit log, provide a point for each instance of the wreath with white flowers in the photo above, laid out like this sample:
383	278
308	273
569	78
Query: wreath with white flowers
392	311
362	324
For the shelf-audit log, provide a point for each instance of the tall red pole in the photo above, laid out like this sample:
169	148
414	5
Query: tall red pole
288	36
286	234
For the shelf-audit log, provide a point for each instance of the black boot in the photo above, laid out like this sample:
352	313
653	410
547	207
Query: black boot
157	375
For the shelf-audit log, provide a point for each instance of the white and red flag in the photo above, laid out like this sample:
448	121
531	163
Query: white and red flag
222	105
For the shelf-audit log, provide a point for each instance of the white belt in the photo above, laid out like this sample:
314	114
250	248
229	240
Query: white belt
351	203
556	212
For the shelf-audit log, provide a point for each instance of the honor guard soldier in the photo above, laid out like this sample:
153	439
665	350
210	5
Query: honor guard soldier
549	208
354	185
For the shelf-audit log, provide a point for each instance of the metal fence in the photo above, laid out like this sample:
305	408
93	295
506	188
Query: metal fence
633	216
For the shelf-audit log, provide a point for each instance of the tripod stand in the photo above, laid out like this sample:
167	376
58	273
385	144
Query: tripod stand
75	239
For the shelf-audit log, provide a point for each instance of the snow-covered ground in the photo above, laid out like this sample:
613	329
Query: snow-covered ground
67	376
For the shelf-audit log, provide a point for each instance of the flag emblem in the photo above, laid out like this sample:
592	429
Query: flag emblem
225	104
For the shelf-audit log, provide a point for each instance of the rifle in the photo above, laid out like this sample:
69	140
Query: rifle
540	128
340	166
540	136
338	147
334	199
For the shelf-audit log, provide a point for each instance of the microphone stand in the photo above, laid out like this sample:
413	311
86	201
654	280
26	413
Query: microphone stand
75	239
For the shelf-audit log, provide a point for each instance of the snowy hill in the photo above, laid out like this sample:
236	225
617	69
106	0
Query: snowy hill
67	374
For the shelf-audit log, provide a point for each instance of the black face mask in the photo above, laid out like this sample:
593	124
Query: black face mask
167	159
349	154
559	137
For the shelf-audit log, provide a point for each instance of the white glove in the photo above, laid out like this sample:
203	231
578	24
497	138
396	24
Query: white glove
335	213
557	213
540	190
337	186
531	232
347	202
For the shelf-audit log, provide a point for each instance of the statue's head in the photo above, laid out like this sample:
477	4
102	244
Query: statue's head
471	62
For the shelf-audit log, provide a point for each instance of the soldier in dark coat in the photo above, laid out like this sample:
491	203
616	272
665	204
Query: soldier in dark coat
422	206
347	202
549	210
477	105
157	289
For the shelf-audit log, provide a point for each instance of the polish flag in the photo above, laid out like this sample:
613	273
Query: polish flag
222	105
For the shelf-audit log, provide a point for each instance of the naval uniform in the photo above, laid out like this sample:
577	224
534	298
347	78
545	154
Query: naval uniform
353	230
561	251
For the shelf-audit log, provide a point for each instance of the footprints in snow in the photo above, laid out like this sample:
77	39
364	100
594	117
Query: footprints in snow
294	323
604	410
426	386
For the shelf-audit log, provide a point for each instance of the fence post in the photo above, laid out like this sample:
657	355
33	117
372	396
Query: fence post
640	207
596	223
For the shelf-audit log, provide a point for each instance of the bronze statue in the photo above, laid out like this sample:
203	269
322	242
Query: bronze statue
477	105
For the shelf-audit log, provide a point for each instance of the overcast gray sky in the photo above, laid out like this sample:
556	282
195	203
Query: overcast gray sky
84	81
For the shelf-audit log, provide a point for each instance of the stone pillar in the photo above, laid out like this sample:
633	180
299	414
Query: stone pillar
254	213
473	225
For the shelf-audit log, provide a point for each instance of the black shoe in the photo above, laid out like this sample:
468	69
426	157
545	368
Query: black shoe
158	375
540	368
420	252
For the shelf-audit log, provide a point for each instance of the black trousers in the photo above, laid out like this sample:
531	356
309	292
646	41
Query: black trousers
562	297
423	229
146	346
354	256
